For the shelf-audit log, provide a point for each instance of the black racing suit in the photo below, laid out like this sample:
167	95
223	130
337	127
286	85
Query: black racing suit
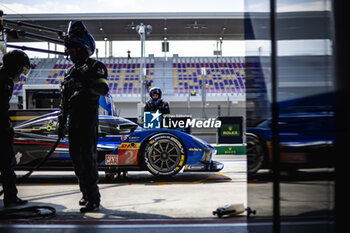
7	156
81	90
153	106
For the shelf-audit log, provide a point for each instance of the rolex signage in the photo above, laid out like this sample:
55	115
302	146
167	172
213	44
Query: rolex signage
230	131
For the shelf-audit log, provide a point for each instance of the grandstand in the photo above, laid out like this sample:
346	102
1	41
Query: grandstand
181	75
225	75
177	76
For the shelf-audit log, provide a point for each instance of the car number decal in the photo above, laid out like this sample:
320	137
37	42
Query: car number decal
128	153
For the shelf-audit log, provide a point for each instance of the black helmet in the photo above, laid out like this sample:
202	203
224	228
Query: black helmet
16	62
155	90
78	36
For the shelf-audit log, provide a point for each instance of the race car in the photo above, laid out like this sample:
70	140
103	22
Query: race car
306	140
122	146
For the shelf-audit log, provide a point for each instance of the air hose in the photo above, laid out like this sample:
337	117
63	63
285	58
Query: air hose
31	211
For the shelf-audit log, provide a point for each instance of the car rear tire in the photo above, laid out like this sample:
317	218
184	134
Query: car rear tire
164	155
255	154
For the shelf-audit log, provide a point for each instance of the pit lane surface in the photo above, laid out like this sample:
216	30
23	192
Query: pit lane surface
141	195
184	203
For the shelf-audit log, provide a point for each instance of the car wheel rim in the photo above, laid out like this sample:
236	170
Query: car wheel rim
164	155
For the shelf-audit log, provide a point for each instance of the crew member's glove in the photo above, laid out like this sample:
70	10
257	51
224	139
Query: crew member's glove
61	127
9	133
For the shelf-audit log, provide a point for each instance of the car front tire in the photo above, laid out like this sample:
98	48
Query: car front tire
164	155
255	154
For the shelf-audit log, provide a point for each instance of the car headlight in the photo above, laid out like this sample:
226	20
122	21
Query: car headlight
207	153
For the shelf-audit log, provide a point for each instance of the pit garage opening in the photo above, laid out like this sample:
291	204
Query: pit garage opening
40	96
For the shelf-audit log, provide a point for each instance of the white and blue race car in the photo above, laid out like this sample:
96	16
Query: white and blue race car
122	146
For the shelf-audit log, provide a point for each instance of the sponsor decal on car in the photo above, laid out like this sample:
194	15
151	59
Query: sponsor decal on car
133	139
111	159
124	137
127	155
127	145
18	157
194	149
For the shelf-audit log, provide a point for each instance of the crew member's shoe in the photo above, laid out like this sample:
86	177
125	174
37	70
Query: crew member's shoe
14	202
90	207
83	201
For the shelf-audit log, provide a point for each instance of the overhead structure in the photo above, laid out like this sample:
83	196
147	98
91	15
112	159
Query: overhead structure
183	25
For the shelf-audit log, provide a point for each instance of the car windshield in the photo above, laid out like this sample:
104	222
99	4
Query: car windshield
115	126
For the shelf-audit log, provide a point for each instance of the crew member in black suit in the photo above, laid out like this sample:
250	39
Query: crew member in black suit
83	85
156	102
14	64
